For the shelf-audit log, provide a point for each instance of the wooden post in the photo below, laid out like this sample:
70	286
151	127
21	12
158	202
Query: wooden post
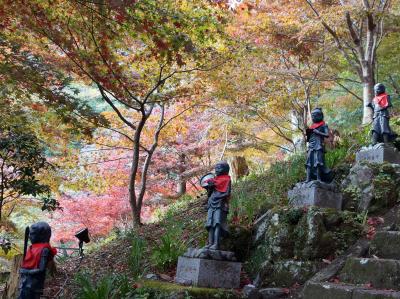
11	290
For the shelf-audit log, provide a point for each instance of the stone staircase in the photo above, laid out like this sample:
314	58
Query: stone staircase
375	276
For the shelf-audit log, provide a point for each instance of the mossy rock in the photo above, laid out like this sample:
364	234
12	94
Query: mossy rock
303	234
371	187
165	290
286	273
238	241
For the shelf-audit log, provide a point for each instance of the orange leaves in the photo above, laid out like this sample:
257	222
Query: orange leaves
39	107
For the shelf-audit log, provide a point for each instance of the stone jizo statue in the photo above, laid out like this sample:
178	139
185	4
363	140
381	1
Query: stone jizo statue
316	133
36	258
380	105
218	191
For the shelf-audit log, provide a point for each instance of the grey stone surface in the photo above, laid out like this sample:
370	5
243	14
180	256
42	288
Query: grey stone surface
325	290
285	273
386	244
315	193
261	226
251	292
380	273
151	276
375	294
357	250
204	253
272	293
362	188
379	153
358	182
209	273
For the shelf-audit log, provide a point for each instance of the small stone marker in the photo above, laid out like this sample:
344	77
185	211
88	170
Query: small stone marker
315	193
208	268
379	153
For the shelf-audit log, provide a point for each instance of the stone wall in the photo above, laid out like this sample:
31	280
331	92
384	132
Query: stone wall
290	243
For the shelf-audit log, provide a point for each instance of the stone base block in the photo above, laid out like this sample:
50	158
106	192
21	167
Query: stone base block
379	153
315	193
209	254
208	273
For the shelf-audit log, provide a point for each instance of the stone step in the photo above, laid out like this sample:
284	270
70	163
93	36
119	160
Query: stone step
379	273
386	244
326	290
375	294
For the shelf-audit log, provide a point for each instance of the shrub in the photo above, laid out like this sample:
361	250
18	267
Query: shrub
170	247
136	256
107	287
257	193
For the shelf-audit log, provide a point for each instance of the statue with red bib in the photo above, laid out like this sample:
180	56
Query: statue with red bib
380	105
36	258
316	133
218	191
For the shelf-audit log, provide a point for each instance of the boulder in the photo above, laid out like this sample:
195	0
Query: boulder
285	273
371	187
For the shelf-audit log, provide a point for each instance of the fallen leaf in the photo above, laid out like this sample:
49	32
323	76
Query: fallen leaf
368	285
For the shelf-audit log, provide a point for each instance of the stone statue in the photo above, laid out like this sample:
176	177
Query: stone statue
36	258
381	131
316	133
218	191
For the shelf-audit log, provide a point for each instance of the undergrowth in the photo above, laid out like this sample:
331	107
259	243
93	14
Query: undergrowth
255	194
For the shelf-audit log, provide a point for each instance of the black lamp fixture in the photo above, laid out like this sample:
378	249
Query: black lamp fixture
83	236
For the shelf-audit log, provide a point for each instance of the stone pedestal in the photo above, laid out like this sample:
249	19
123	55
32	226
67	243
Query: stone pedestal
215	269
379	153
315	193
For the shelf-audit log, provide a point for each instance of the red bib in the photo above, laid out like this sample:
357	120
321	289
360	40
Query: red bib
317	125
33	254
221	182
382	100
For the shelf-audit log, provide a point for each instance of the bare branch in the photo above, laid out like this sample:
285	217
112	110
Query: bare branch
109	101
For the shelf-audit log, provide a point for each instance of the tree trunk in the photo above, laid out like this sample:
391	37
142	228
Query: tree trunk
136	218
133	198
181	187
368	95
11	290
238	167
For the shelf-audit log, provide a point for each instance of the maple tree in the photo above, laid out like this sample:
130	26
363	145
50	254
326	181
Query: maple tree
100	213
350	32
21	160
186	150
139	55
275	78
365	23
